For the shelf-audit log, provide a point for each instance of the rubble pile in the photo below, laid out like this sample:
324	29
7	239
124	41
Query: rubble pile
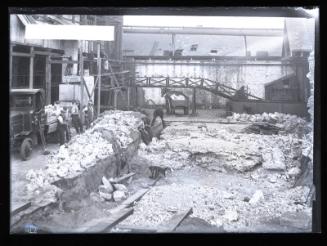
216	206
289	123
216	148
84	150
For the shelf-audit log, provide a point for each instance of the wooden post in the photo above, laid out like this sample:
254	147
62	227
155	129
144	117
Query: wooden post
81	72
245	45
115	99
173	44
48	80
31	69
99	78
10	66
194	102
128	97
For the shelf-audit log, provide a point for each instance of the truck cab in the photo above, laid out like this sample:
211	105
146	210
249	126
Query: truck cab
27	117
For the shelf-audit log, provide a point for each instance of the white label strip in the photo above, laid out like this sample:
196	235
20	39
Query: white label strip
69	32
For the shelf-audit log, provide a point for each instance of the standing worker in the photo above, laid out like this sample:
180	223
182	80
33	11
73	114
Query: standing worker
89	114
66	117
158	113
76	121
62	127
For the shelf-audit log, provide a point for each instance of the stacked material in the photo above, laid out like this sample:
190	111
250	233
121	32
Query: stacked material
84	150
112	191
51	113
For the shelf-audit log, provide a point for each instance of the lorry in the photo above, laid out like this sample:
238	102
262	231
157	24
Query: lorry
176	100
27	119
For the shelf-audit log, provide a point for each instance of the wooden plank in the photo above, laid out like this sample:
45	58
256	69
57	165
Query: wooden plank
129	201
136	196
22	54
117	180
63	62
105	224
175	221
19	207
136	229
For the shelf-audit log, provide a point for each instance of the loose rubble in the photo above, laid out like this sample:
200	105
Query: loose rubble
111	192
84	150
286	122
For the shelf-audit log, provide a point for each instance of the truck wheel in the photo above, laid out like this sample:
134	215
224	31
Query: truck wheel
26	149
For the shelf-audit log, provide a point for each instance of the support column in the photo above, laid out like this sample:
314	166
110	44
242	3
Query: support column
48	80
81	72
115	99
194	102
31	68
173	44
245	45
99	77
128	97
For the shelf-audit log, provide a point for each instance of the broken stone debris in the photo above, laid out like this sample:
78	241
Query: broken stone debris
109	191
120	187
84	150
257	197
287	122
231	215
274	159
107	184
119	195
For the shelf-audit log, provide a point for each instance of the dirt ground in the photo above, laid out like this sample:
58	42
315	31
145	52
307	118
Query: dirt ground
216	170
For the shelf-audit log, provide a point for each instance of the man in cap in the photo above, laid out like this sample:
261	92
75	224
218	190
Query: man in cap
62	127
76	121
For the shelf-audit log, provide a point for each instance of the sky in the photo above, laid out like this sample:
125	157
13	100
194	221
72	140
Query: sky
205	21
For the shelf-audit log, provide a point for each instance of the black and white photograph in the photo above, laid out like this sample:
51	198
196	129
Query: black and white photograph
162	123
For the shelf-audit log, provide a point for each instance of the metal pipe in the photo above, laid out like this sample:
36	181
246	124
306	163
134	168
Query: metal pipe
205	31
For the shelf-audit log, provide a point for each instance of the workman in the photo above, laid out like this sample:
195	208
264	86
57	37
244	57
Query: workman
158	113
89	114
62	127
76	120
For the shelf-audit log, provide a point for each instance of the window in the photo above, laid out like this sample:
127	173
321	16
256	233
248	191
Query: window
178	52
21	101
194	47
286	84
214	51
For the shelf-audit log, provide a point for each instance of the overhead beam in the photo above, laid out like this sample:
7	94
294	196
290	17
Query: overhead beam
21	54
205	31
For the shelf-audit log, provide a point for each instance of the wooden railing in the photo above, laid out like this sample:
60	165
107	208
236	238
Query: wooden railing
185	82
